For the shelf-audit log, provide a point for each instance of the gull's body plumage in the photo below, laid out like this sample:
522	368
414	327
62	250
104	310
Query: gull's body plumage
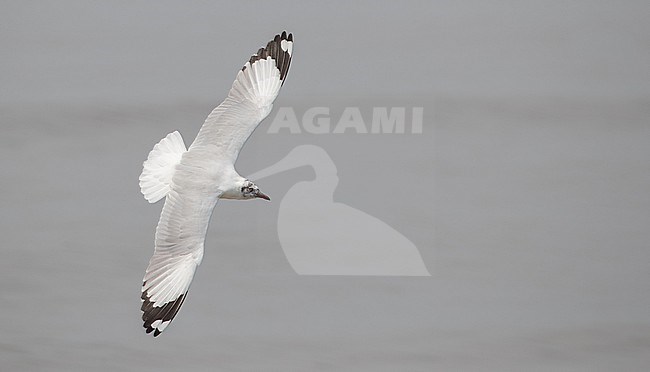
193	180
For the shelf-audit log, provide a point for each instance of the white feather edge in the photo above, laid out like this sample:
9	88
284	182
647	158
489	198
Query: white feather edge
158	169
259	83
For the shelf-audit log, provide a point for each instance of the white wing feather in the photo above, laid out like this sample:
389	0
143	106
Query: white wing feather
179	241
249	101
231	123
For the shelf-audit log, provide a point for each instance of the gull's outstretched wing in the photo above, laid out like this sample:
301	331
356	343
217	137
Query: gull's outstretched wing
249	101
179	241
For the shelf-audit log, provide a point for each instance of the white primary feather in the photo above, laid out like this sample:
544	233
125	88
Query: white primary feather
194	179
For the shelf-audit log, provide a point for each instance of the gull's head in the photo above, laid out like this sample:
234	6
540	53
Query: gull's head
243	189
250	190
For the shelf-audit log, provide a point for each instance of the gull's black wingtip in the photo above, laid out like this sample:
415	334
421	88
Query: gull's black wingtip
279	49
156	318
288	36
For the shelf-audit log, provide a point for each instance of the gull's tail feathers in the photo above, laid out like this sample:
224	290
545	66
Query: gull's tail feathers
160	166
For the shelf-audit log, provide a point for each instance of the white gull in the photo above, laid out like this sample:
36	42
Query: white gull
193	180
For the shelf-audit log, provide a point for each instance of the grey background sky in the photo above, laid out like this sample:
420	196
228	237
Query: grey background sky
126	52
526	194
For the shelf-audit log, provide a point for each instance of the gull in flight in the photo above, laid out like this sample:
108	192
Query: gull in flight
192	180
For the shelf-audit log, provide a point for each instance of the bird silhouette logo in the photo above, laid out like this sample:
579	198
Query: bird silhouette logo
322	237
